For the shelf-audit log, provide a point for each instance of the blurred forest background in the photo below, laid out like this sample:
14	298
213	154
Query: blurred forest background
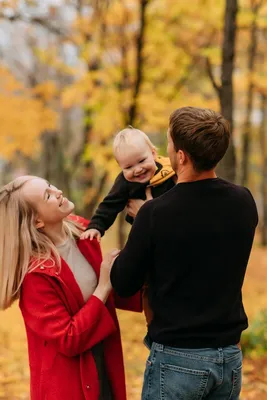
75	72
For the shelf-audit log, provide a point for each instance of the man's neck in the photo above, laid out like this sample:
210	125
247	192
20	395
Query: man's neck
190	175
56	233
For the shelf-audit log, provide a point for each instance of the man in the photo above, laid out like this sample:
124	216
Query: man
192	246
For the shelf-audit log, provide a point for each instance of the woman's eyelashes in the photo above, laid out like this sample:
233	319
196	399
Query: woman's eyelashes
48	194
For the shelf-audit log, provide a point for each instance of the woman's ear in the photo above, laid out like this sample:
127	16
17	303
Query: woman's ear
39	223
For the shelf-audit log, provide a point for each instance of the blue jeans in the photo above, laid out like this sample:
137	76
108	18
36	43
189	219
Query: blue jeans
192	374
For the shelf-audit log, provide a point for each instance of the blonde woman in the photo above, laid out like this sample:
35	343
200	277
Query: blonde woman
65	297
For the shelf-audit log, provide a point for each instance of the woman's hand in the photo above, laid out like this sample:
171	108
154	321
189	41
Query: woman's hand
104	287
134	205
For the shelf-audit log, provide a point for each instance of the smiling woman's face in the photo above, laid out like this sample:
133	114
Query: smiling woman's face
48	202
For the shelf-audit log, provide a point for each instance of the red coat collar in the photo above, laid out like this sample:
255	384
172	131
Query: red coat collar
92	253
90	250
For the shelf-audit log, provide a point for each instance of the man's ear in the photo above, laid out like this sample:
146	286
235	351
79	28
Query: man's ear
182	157
39	223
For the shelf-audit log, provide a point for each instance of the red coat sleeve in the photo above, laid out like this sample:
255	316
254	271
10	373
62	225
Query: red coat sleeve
133	303
45	313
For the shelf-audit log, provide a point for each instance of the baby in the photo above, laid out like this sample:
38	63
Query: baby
141	168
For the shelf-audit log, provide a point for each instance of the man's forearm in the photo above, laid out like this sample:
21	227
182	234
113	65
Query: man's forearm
130	268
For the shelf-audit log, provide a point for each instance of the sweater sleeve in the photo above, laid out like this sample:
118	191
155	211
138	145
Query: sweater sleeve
111	206
45	314
130	268
253	207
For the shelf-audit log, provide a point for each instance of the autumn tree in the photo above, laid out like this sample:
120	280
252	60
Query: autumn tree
255	6
135	62
224	90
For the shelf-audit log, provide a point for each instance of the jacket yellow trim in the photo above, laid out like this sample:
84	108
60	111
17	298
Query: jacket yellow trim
166	172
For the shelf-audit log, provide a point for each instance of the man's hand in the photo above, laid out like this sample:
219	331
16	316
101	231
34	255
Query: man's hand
91	234
134	205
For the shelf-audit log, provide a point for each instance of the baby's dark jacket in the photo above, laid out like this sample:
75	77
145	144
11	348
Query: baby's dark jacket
123	190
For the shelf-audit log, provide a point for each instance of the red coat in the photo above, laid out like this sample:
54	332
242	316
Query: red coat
61	330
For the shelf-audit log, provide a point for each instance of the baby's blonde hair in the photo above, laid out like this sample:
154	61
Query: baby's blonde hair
126	137
21	243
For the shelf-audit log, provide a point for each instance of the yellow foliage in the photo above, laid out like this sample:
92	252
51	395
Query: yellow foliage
122	14
77	93
52	59
46	90
245	18
260	83
8	82
23	117
213	54
82	25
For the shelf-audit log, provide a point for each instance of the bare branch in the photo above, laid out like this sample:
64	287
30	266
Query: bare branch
211	76
256	5
37	21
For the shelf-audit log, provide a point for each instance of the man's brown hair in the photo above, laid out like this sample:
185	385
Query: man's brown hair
201	133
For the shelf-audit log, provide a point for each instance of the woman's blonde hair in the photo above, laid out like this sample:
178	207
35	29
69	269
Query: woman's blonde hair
22	246
127	136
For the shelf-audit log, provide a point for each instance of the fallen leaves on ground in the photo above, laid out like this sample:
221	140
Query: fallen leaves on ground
14	372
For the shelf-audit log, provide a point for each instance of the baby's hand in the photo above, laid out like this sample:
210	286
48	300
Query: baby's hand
134	205
91	234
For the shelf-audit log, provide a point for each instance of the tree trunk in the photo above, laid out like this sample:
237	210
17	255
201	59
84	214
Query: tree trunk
227	167
263	128
139	61
89	208
247	126
52	163
131	118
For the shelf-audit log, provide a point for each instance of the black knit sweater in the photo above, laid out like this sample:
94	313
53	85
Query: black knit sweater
193	243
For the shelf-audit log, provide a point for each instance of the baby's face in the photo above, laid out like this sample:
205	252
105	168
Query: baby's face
137	161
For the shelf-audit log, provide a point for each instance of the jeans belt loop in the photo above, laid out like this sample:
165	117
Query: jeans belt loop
159	347
221	355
